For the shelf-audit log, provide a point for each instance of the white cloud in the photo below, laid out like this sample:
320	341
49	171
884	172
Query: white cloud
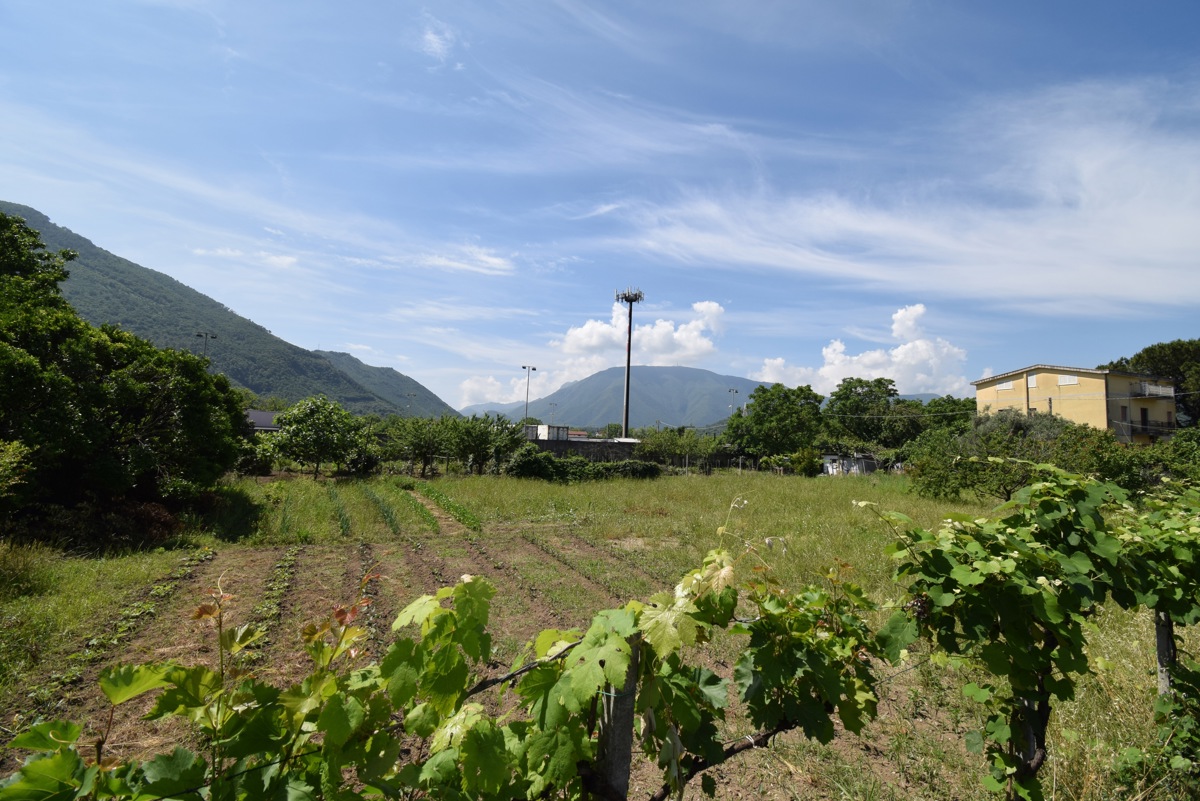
598	345
1072	190
658	343
469	258
277	260
917	364
437	39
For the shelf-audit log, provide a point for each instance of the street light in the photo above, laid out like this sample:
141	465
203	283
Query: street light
528	372
207	336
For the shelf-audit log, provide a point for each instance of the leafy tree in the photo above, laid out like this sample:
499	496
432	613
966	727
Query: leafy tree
949	412
477	440
12	456
859	410
777	421
997	456
1178	360
106	416
317	430
421	439
675	446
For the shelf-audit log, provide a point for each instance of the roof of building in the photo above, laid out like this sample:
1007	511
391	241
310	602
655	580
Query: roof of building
1062	368
261	420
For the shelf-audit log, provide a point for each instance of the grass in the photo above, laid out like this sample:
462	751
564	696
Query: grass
630	538
76	600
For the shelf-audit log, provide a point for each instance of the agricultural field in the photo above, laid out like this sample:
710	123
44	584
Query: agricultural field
287	552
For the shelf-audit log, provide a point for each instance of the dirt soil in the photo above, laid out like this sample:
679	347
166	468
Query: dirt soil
530	565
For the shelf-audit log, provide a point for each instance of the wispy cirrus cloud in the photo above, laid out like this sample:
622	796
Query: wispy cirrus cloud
468	258
1072	191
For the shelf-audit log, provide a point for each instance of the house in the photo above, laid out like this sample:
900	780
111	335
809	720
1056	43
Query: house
262	422
1138	408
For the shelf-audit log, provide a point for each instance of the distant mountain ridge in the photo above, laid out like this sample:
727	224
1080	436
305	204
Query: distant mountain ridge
105	288
658	396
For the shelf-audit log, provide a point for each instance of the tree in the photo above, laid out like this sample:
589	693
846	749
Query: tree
859	410
476	440
106	416
1178	360
998	455
421	439
777	421
315	431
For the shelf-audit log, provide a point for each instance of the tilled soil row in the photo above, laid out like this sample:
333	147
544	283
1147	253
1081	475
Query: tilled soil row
171	635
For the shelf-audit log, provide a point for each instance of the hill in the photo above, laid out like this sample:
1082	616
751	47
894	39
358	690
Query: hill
668	396
105	288
413	399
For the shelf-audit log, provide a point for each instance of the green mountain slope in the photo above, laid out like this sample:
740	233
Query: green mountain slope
394	387
105	288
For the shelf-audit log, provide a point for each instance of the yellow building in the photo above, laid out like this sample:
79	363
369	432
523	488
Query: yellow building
1138	408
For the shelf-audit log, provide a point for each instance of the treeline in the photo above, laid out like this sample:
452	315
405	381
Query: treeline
100	431
947	449
318	432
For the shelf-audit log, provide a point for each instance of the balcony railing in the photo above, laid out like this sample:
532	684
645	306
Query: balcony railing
1154	428
1145	389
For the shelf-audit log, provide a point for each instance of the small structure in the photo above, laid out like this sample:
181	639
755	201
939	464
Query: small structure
261	421
562	441
547	433
1136	407
860	464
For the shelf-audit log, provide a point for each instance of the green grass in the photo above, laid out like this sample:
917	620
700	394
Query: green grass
78	599
618	533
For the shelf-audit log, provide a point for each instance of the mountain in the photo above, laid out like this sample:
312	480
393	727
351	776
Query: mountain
667	396
398	389
105	288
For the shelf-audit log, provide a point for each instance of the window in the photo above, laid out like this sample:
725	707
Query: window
1004	385
1031	382
1068	380
1124	414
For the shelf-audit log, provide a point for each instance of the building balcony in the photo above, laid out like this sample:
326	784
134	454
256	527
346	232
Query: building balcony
1154	428
1145	389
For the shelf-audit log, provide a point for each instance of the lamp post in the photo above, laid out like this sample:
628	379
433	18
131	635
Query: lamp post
207	336
630	296
529	369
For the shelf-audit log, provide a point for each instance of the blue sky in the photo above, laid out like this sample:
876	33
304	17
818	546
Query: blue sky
804	191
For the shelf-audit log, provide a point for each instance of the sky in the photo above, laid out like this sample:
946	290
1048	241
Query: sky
928	191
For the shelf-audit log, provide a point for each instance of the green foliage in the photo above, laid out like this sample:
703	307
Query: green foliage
104	417
861	409
530	461
1012	594
12	464
107	289
1178	360
995	457
315	431
478	442
777	421
456	510
339	731
678	447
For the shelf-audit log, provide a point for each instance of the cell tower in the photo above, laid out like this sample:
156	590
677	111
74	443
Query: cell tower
630	296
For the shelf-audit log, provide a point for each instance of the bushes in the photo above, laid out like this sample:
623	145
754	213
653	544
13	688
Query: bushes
530	461
996	456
